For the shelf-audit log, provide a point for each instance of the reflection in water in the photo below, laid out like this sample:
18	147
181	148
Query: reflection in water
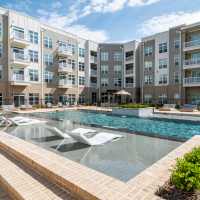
122	159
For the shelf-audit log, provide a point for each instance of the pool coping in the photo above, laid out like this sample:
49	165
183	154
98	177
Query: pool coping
88	183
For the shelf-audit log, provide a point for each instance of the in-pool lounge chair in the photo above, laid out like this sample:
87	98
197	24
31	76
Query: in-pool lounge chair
88	136
23	121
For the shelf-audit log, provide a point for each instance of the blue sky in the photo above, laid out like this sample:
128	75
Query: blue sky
110	20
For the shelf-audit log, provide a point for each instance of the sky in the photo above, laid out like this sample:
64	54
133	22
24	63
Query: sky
110	20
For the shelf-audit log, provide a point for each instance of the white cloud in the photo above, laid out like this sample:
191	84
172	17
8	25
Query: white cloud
166	21
141	2
56	5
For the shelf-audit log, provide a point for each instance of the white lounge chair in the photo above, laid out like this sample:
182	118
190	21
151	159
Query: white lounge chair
23	121
87	136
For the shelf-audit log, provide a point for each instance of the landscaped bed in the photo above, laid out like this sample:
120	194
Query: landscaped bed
185	179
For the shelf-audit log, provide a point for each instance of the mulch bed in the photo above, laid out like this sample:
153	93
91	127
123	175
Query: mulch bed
170	192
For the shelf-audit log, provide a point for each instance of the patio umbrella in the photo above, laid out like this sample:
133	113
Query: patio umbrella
122	93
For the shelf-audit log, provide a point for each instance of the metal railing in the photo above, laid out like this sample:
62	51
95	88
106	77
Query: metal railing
93	72
65	67
18	77
192	43
192	80
129	58
129	85
19	36
66	51
192	62
65	82
93	59
20	57
129	71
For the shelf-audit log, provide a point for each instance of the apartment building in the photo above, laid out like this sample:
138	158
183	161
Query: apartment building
40	64
161	67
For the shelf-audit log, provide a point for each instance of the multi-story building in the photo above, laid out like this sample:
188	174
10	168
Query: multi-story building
40	64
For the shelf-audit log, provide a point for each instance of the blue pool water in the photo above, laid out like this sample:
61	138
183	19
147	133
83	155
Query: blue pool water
154	127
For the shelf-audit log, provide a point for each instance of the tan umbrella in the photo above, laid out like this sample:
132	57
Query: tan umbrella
122	93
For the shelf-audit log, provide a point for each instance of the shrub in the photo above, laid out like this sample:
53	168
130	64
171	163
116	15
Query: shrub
134	106
177	106
186	174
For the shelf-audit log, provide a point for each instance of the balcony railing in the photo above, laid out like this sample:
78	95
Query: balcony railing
18	35
20	57
192	43
65	67
93	72
192	81
129	85
129	71
18	77
192	62
65	82
93	59
64	51
129	58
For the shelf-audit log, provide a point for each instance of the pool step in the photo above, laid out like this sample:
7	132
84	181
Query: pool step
24	184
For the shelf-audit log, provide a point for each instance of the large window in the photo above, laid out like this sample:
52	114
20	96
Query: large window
48	98
48	42
148	65
177	60
118	82
48	77
118	70
104	82
81	66
104	70
72	63
176	77
33	98
148	50
72	79
81	80
117	56
33	37
48	59
104	56
33	56
71	98
148	98
81	99
81	52
163	79
148	79
163	63
33	75
163	47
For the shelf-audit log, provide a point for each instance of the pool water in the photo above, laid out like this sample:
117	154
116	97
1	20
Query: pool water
177	129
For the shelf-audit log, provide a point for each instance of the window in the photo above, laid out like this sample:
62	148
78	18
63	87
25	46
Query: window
104	82
147	98
129	55
148	51
33	37
1	72
72	79
1	49
48	76
33	75
104	97
48	98
163	47
104	56
177	60
176	77
33	98
163	63
81	66
117	56
71	98
81	99
148	79
81	80
129	82
73	49
1	30
148	65
176	43
118	70
33	56
104	70
1	99
48	59
117	82
81	52
163	79
48	42
72	63
163	99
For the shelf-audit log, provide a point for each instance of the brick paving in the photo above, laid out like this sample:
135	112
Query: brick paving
87	183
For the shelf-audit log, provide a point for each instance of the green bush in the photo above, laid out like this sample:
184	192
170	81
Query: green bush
177	106
198	107
186	174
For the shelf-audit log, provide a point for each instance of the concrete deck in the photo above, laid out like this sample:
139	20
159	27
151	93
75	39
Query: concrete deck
89	184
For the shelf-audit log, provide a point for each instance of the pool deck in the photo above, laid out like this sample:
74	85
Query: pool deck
76	179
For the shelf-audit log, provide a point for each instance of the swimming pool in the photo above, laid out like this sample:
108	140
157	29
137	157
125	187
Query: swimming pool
176	129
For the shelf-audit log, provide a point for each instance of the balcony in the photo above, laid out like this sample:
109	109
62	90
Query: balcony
93	73
192	63
64	83
129	85
18	39
93	59
129	58
19	80
129	72
191	82
63	52
19	59
65	68
93	85
192	45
